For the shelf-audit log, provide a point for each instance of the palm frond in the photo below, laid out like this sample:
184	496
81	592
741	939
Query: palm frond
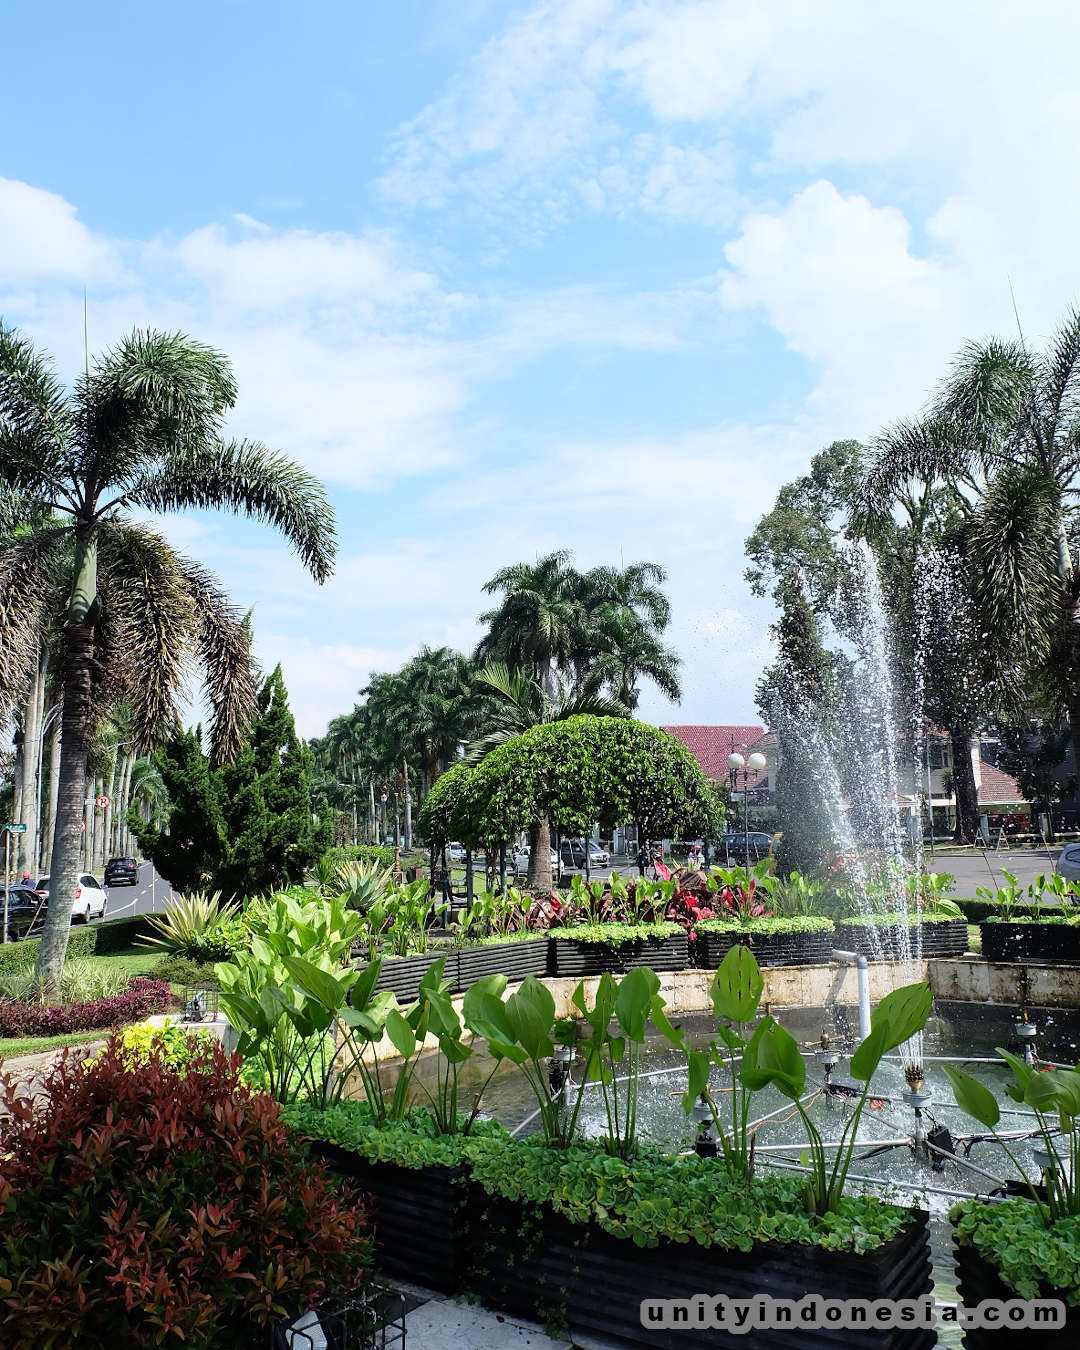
1012	549
149	624
246	477
35	421
990	393
1061	383
223	643
152	394
28	565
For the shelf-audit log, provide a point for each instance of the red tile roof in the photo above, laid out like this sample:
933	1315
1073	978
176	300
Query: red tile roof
711	746
997	786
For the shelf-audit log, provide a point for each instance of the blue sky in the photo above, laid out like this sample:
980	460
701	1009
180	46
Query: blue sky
513	277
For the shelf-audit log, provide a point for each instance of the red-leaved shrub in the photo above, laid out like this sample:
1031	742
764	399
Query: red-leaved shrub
25	1017
142	1205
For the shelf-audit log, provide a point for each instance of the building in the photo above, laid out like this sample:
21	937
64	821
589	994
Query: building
999	794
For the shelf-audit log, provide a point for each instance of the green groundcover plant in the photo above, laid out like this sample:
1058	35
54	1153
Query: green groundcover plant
769	925
1025	1251
615	934
413	1141
658	1196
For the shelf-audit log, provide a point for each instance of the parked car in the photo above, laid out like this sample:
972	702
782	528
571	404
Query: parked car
457	853
121	872
734	846
89	902
573	854
25	906
522	856
1068	863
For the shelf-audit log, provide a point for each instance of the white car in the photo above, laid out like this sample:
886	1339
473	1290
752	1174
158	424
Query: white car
90	899
457	853
521	861
1068	864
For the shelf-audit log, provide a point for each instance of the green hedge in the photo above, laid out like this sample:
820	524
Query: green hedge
890	920
117	934
16	955
613	934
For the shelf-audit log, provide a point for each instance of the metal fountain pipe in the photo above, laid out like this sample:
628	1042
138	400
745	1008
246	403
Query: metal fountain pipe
863	976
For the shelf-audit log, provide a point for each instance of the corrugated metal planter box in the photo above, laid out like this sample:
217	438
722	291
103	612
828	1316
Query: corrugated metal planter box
420	1216
541	1265
403	974
515	960
1050	942
774	949
977	1280
571	957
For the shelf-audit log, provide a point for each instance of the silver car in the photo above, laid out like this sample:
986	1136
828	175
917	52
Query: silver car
1068	863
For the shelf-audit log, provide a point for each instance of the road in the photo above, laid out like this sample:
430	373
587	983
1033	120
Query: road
150	895
984	867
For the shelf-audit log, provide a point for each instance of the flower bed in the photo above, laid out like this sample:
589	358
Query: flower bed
618	947
20	1017
801	940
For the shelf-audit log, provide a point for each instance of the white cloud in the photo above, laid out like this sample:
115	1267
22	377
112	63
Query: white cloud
323	678
42	239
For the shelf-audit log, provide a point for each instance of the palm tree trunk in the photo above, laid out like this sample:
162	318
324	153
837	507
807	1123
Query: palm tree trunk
107	819
408	808
78	664
74	737
540	858
54	789
31	747
967	795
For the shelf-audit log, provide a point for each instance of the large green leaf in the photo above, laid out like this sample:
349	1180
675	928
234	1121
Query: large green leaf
897	1018
320	984
737	987
401	1034
973	1097
772	1056
633	1001
697	1078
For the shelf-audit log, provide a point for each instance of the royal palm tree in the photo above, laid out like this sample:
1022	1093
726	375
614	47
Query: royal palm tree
141	431
515	703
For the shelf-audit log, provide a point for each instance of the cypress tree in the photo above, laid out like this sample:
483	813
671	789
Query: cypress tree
190	851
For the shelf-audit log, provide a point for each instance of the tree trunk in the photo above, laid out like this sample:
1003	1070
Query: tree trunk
27	860
967	796
74	736
408	808
540	858
54	788
107	817
373	836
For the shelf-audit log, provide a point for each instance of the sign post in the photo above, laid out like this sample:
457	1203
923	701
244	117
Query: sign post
9	830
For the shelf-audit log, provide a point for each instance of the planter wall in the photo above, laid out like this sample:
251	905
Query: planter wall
542	1266
420	1216
570	957
403	974
879	943
774	949
976	1279
1054	943
515	960
943	939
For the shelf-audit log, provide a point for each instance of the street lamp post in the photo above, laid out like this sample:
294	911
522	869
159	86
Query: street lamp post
738	765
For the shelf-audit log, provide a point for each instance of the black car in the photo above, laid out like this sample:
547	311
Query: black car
734	846
121	872
25	907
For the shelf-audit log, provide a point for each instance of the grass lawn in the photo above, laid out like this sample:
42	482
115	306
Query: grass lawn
133	960
33	1045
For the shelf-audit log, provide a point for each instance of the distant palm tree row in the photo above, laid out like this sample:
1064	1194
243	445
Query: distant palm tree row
559	643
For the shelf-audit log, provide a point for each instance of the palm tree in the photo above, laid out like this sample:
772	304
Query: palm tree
517	702
141	431
631	653
1003	434
538	626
